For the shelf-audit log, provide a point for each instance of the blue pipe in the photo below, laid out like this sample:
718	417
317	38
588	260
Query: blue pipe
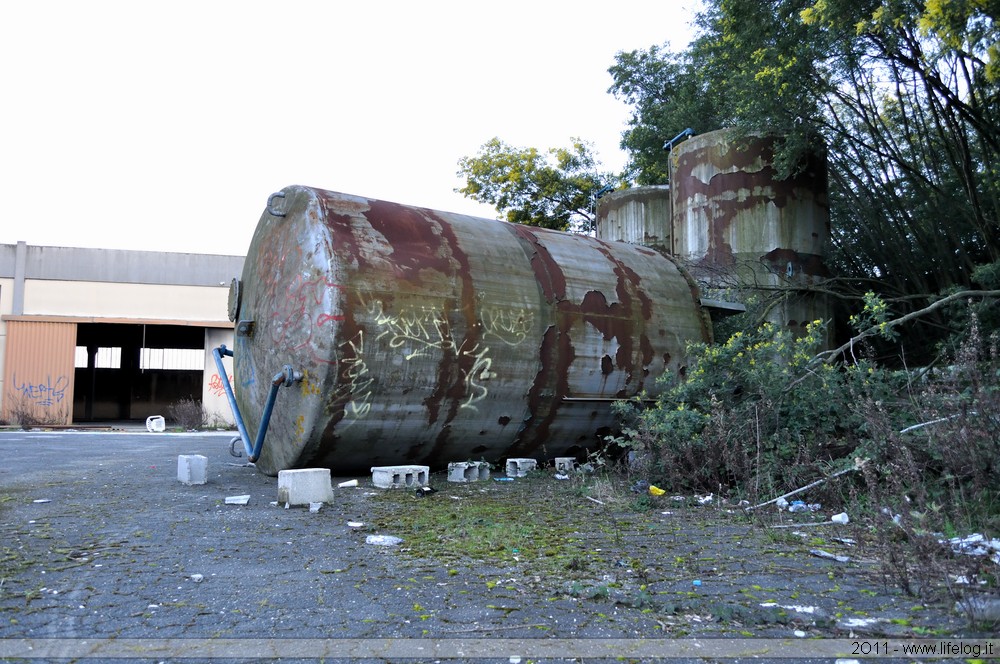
286	377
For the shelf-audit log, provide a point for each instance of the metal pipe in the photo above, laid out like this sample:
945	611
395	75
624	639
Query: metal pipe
286	377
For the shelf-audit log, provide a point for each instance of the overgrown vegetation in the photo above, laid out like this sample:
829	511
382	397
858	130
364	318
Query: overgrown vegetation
766	412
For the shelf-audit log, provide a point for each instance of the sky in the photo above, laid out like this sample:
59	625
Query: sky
164	126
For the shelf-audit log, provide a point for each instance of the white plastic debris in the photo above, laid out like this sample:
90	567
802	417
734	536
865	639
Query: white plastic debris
197	578
383	540
705	500
347	484
975	545
315	507
781	503
561	476
41	500
355	524
840	518
820	553
238	500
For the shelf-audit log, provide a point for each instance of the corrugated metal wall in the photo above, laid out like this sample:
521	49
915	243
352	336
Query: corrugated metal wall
38	380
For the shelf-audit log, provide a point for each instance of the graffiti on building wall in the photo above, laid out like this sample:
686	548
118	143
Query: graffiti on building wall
215	385
45	393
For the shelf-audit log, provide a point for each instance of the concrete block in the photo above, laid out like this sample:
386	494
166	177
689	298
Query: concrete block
304	486
565	464
192	469
520	467
400	477
468	471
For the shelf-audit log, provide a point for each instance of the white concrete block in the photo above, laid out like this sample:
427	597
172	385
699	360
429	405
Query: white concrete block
520	467
192	469
304	486
400	477
468	471
565	464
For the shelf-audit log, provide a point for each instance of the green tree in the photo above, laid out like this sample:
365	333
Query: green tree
556	189
905	98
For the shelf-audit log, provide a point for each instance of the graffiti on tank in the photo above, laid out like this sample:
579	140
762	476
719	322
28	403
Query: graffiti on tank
215	385
480	371
356	379
511	326
300	315
45	394
420	329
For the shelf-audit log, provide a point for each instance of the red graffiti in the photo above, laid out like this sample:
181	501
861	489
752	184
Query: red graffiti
216	386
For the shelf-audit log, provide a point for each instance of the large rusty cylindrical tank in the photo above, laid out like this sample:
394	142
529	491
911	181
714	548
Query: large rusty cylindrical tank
637	215
426	337
736	223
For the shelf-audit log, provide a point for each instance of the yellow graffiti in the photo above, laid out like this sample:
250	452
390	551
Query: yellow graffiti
480	371
510	326
357	379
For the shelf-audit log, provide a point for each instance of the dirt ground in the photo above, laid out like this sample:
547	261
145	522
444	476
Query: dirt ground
100	540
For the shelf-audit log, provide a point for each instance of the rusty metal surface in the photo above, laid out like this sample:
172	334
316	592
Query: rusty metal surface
734	221
728	205
640	215
429	337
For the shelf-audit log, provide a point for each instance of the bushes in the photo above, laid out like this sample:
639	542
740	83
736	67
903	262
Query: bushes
763	413
757	414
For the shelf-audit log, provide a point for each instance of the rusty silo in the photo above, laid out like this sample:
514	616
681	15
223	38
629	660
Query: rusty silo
639	215
734	221
427	337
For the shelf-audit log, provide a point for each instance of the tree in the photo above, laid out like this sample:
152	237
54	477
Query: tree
556	189
904	96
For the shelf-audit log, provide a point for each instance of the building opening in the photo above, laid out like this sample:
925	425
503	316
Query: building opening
130	371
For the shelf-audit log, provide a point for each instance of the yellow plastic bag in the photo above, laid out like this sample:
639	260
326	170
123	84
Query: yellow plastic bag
655	490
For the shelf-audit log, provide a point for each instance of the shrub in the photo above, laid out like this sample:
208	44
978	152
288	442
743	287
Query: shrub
188	414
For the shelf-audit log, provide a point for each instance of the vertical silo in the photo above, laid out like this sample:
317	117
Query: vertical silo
735	224
639	215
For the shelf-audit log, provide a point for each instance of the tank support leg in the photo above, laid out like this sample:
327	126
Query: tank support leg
287	376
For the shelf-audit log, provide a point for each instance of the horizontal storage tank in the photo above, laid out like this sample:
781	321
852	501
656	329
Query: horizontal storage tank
426	337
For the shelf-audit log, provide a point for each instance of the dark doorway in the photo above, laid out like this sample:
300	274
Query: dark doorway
129	372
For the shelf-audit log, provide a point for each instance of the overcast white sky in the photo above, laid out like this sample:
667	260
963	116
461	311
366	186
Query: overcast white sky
145	124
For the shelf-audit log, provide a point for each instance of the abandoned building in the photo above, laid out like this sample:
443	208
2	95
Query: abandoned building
101	335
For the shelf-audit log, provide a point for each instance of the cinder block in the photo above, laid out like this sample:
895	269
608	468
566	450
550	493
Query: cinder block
520	467
468	471
192	469
304	486
565	464
400	477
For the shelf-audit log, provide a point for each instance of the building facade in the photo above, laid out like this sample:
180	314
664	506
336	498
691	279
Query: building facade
100	335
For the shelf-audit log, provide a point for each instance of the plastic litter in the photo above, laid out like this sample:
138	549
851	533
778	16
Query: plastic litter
696	582
383	540
561	476
197	578
705	500
348	483
820	553
975	545
800	506
355	524
504	479
315	507
840	518
41	500
655	490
